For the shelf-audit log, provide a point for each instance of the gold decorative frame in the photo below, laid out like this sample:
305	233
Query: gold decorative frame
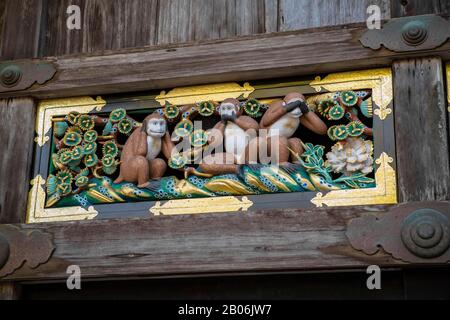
195	94
378	80
50	108
47	109
207	205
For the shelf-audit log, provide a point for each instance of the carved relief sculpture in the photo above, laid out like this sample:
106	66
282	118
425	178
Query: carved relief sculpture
319	143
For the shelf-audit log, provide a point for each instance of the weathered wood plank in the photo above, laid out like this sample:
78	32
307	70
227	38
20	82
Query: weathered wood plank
215	243
106	25
16	138
247	58
421	130
2	23
301	14
271	20
10	291
21	27
194	20
250	16
445	6
404	8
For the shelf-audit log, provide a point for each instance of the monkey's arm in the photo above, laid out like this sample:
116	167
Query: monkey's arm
313	123
272	115
216	135
167	146
246	123
141	146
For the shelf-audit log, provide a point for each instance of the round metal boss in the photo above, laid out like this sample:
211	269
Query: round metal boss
426	233
10	76
414	33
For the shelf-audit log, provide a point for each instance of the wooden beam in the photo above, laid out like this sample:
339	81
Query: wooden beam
311	51
16	138
421	130
282	240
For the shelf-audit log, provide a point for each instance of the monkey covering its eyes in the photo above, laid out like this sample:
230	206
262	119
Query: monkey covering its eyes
282	120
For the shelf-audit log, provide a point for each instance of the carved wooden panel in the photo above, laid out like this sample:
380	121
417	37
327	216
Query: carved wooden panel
217	148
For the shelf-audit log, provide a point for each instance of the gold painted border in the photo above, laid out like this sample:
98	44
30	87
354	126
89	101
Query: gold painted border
36	211
380	82
196	94
205	205
50	108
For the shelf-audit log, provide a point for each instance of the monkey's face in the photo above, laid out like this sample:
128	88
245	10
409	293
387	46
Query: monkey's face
228	110
156	128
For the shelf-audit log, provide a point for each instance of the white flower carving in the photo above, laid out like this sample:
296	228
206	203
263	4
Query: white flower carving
354	155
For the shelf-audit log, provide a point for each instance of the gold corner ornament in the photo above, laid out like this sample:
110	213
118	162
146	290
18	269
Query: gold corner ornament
205	205
211	92
47	109
37	212
378	80
385	191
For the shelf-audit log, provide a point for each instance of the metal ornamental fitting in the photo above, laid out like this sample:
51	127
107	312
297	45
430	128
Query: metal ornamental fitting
426	233
414	232
414	33
409	34
10	76
20	75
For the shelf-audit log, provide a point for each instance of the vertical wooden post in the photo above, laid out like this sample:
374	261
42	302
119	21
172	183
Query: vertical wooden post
421	130
17	118
17	121
9	291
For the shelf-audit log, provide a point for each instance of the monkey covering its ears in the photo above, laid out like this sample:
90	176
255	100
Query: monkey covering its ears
139	162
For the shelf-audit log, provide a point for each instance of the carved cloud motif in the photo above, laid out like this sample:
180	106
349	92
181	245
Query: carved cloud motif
30	248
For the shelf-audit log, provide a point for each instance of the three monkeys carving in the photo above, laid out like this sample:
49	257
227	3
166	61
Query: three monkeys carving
239	135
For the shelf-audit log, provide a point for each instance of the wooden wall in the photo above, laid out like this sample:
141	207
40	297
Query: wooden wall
37	28
32	28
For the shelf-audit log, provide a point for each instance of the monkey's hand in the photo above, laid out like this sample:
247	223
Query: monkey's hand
297	104
215	138
228	117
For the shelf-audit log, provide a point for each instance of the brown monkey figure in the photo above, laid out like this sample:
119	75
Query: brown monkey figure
139	162
282	120
234	131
